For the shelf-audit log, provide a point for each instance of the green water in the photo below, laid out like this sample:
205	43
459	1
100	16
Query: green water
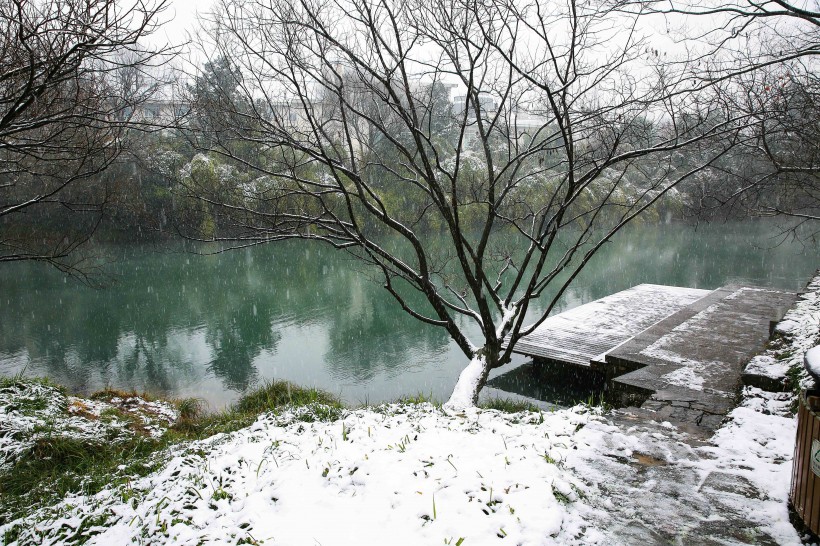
177	324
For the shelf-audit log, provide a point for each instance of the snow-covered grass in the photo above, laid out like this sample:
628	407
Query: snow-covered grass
35	411
53	444
413	473
408	473
393	474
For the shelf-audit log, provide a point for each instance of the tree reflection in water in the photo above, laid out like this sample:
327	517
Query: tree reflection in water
178	324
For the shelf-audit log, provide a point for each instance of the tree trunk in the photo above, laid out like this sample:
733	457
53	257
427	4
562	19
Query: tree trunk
470	382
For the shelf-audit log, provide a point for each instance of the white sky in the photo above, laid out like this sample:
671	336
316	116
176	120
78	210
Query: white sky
179	20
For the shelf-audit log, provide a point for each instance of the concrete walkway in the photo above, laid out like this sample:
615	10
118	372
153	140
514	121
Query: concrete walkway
687	368
660	476
586	332
664	486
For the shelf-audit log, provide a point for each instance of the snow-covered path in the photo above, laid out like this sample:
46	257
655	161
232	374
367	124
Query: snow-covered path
661	486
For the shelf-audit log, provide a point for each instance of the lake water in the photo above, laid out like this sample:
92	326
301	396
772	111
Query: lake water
180	325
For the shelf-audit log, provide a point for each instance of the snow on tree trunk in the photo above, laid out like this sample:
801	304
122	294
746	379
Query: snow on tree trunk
470	382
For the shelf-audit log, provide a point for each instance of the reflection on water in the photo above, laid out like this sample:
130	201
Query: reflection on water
211	326
554	382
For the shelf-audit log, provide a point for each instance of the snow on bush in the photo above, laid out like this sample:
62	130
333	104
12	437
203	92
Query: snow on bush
812	360
801	326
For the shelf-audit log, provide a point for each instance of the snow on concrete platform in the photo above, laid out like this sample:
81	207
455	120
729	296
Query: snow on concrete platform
687	368
675	353
697	348
587	332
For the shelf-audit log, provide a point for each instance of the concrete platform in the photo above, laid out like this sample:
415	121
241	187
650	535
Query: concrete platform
688	367
665	353
587	332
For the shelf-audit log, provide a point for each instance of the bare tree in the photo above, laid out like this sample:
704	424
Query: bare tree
770	51
776	172
72	75
735	17
565	126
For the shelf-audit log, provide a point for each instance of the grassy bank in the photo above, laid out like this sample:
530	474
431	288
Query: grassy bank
56	444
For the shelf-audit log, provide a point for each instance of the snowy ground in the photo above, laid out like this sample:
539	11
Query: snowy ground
416	474
390	475
660	486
